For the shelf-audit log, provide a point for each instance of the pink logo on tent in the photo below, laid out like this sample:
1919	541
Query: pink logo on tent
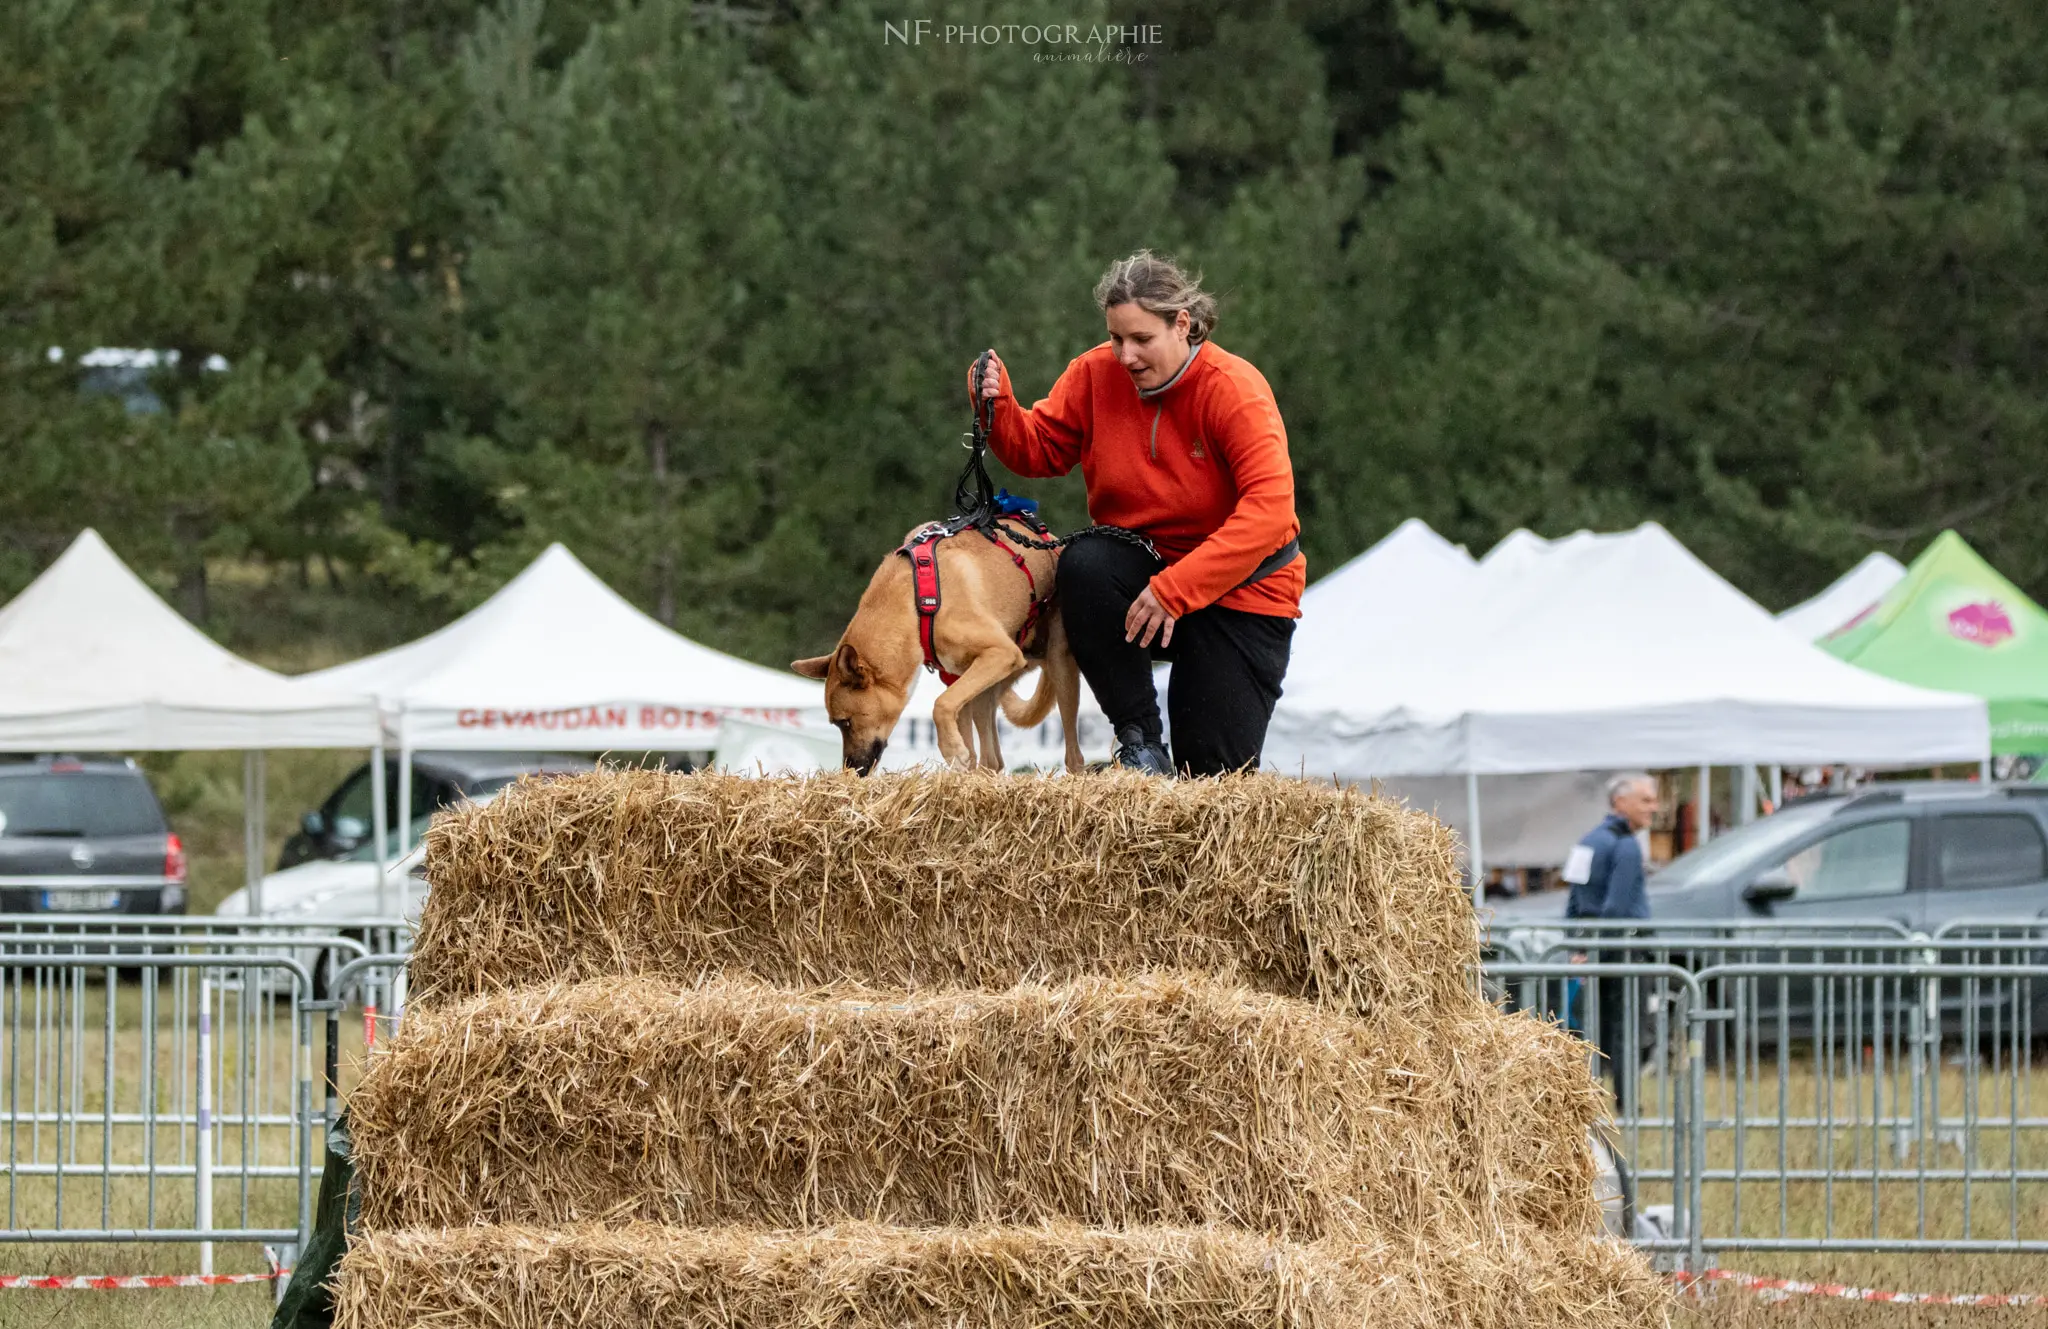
1985	623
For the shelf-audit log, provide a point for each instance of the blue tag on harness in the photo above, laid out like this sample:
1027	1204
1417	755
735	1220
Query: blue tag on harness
1015	505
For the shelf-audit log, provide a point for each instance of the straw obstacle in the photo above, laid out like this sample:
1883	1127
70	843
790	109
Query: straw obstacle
925	880
962	1049
1101	1101
861	1277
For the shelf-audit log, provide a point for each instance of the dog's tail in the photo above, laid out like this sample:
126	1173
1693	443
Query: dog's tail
1025	714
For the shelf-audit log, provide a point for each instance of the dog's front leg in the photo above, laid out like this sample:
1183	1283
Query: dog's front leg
991	669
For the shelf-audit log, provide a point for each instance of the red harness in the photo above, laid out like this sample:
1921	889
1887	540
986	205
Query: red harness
922	551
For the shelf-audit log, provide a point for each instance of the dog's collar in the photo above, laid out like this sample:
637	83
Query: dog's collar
1147	394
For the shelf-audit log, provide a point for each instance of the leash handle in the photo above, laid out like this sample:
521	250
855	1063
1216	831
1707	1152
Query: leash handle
984	407
974	495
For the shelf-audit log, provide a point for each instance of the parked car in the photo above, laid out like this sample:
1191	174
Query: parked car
342	824
1918	854
339	897
85	835
341	890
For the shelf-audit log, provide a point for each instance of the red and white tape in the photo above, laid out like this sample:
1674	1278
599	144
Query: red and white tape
111	1282
1792	1287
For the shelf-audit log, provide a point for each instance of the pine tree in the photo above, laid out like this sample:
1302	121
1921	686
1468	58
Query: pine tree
1769	267
157	174
626	237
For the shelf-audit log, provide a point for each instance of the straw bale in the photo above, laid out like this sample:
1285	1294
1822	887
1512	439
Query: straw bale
1516	1097
968	879
860	1277
1159	1100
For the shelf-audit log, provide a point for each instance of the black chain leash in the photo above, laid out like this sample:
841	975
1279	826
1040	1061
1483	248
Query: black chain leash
974	494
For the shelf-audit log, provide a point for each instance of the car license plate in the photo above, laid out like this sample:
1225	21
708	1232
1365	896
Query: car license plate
81	902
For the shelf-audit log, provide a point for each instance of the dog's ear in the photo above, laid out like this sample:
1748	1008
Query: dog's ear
815	667
852	670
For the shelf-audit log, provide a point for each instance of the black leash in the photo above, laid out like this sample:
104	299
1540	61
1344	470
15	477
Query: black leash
975	502
974	494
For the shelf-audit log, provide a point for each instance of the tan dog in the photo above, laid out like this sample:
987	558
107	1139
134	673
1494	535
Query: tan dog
985	601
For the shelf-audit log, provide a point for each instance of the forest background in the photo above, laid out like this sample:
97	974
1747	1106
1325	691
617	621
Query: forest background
692	287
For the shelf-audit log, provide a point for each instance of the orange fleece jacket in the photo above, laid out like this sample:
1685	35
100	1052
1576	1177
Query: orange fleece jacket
1201	467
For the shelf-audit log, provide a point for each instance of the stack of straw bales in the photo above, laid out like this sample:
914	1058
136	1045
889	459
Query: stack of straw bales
960	1049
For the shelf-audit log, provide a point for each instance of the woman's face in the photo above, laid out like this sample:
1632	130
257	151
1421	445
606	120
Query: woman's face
1149	348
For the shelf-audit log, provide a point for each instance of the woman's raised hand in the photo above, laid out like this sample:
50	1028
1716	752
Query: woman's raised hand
991	379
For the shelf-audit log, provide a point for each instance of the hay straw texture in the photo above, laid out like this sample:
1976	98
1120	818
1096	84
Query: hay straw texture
1163	1100
967	1278
965	879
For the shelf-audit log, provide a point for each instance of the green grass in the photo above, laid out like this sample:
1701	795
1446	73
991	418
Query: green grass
246	1307
1729	1308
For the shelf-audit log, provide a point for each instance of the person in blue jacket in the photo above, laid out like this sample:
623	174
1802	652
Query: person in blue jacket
1605	872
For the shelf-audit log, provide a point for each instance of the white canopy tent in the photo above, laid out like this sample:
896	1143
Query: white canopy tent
1605	651
1843	602
1590	653
1376	626
92	660
556	658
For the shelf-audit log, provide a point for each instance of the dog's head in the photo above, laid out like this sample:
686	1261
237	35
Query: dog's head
863	699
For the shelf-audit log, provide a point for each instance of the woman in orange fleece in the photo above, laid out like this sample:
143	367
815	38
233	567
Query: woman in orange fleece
1182	442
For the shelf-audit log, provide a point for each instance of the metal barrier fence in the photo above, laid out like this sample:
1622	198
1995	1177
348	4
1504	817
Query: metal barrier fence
154	1096
1786	1087
156	1074
1826	1088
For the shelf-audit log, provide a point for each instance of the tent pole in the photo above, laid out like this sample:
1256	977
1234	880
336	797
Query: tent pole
377	823
1984	769
1474	843
1748	795
262	815
404	827
252	831
1703	820
404	806
1777	786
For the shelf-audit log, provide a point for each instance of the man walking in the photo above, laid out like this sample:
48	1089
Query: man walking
1605	872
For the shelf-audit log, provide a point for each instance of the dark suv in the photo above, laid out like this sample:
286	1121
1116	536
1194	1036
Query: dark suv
85	836
439	779
1920	853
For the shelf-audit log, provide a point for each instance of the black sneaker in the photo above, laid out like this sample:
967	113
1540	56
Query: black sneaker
1137	750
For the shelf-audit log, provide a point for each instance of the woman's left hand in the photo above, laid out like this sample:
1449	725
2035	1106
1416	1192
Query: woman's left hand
1147	617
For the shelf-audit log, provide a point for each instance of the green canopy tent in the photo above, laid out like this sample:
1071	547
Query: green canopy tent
1955	624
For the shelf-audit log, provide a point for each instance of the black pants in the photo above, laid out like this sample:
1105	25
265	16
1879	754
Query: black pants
1227	664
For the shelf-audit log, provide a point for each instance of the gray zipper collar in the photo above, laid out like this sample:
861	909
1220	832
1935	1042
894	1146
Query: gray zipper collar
1147	394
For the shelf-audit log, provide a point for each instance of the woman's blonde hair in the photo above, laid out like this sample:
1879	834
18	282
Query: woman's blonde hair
1158	286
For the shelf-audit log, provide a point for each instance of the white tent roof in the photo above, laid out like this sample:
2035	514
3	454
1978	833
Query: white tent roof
92	660
1410	552
1843	602
1589	653
558	659
1370	637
